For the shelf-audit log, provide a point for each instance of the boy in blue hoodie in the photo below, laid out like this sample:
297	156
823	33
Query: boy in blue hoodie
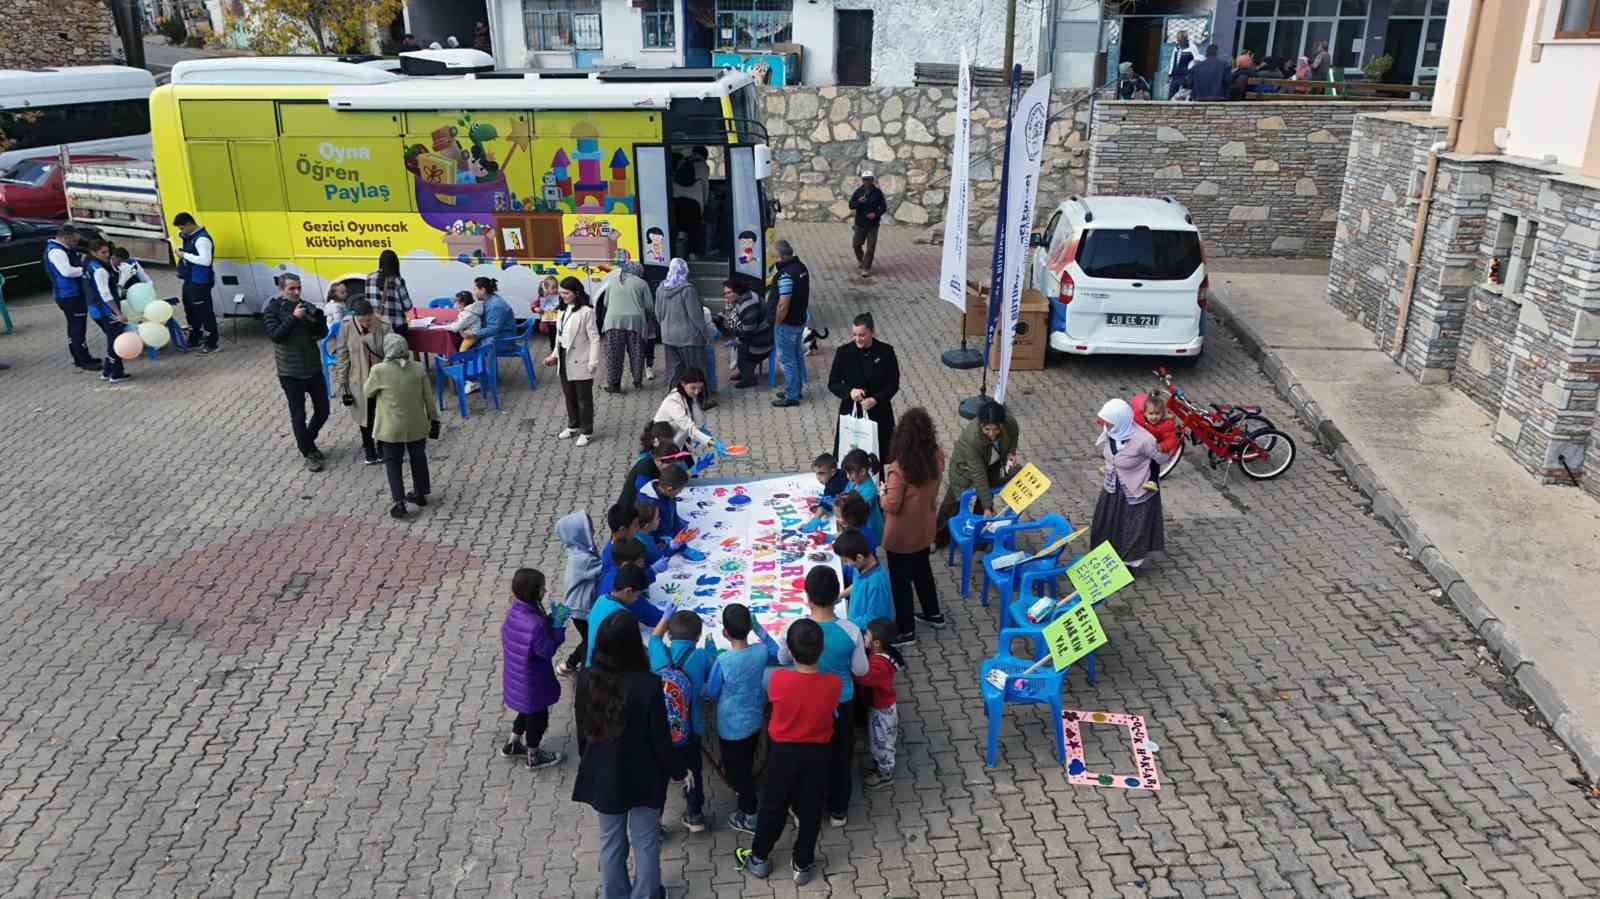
576	533
738	685
679	651
664	491
629	552
655	549
627	595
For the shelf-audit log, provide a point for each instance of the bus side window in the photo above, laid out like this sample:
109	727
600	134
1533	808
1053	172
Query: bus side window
47	126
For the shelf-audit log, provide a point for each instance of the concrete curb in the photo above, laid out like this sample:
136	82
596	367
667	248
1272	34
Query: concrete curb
1582	741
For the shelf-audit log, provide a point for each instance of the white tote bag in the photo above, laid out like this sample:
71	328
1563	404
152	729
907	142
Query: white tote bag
857	431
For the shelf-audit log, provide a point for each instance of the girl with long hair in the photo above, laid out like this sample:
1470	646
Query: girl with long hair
910	519
683	408
627	756
578	355
387	292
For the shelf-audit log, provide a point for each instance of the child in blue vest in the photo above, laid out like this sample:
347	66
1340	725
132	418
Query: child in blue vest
863	471
101	303
664	491
656	550
625	553
623	520
844	654
869	595
738	684
679	654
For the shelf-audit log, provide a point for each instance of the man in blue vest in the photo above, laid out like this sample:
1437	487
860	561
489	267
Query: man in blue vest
64	264
196	258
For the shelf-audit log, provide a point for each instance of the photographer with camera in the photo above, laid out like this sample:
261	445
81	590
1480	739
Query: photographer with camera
295	326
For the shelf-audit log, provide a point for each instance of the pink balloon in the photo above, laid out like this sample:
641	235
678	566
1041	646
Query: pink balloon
128	345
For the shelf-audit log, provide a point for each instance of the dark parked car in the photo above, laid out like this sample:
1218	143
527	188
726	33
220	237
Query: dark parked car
22	247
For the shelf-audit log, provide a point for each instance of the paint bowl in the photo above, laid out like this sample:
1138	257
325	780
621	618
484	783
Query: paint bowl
738	449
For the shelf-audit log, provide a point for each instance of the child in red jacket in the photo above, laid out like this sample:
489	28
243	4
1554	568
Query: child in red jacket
1150	412
882	663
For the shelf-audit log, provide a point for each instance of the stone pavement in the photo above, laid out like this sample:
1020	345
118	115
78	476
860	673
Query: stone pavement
1516	557
224	675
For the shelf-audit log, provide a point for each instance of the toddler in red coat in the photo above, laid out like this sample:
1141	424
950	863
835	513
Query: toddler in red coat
1150	412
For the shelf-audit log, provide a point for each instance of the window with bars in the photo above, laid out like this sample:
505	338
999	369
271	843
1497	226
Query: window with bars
752	24
660	24
562	24
1579	19
1281	31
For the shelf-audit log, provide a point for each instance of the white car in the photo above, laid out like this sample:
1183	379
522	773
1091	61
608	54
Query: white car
1124	275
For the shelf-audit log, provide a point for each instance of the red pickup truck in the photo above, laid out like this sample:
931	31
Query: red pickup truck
32	189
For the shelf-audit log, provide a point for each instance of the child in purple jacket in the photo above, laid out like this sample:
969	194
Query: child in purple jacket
529	639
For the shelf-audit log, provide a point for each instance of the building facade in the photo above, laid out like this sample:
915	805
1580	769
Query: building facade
809	42
1469	238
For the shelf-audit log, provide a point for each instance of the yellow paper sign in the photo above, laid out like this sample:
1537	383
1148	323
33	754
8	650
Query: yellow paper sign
1099	574
1074	635
1024	487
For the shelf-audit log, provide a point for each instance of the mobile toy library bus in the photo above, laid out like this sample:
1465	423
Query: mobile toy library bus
316	166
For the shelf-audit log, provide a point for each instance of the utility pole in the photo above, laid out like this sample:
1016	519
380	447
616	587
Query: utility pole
1011	34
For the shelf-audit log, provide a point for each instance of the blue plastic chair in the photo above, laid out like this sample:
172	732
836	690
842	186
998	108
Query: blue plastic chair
441	303
1042	687
1019	625
519	347
968	535
476	364
329	358
1005	580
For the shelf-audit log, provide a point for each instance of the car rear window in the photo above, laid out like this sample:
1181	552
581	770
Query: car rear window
1139	253
29	171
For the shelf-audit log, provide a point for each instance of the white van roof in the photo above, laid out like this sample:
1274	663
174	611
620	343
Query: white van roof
73	84
532	90
1164	213
242	70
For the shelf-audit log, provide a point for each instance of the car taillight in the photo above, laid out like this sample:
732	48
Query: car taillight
1066	289
1203	296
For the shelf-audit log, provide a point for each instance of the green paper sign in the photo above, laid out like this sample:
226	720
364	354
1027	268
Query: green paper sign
1074	635
1099	574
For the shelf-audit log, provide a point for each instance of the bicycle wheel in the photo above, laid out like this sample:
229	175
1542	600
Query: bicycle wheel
1265	454
1171	464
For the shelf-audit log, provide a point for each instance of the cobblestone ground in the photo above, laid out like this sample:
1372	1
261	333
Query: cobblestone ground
223	675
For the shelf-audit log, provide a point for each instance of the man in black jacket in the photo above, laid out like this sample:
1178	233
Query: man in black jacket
870	206
295	326
1178	68
1208	78
866	372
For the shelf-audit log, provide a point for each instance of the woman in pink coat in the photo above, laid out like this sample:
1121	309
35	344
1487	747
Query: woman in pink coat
1128	512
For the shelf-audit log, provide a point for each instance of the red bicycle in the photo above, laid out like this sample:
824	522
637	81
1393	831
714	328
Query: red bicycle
1231	435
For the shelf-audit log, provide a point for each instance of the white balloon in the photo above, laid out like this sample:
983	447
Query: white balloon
154	335
158	311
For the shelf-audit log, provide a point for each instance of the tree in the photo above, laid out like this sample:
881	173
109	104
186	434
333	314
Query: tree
331	26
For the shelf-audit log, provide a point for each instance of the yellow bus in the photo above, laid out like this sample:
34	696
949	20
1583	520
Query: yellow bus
316	166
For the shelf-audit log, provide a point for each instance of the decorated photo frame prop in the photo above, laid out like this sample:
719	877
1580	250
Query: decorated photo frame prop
1144	750
1024	487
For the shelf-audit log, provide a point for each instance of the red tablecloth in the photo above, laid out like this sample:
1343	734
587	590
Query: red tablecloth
435	340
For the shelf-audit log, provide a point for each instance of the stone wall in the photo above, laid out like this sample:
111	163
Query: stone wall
1261	178
1528	350
823	137
40	33
1377	215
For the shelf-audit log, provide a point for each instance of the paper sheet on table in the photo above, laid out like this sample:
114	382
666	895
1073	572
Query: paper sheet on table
756	552
424	322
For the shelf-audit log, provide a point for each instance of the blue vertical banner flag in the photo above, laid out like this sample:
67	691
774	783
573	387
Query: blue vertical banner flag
997	263
1030	121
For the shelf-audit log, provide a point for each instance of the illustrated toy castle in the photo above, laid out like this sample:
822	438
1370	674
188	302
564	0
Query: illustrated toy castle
591	192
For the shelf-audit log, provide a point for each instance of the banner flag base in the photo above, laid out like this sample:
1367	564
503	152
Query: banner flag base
969	407
962	359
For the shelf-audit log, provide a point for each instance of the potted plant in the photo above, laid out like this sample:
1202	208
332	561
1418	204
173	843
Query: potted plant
1377	67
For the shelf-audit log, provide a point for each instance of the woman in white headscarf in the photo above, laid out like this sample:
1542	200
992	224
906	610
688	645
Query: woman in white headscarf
682	319
1129	510
403	419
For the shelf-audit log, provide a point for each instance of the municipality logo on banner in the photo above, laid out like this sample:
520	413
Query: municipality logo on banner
1026	148
953	268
